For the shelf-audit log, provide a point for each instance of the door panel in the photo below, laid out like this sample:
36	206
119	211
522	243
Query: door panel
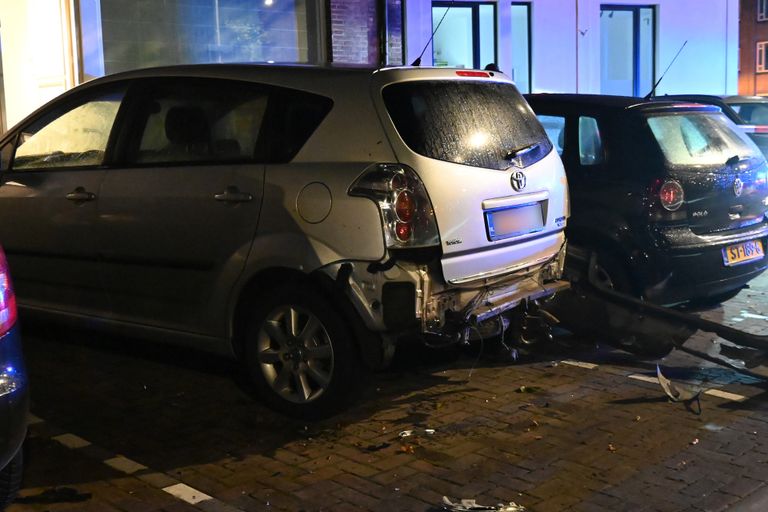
176	220
174	240
48	202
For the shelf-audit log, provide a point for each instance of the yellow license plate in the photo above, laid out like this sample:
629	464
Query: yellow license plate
743	253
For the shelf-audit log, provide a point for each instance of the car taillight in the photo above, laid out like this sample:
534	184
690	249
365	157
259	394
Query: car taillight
671	195
406	211
7	297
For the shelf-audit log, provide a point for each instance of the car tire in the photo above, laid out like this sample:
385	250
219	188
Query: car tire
10	479
300	354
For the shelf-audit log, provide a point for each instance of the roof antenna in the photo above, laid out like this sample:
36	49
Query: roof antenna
653	90
417	62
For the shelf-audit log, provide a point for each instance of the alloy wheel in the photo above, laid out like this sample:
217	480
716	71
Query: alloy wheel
295	354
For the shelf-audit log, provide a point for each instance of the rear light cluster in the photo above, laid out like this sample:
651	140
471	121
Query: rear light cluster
406	211
7	297
671	195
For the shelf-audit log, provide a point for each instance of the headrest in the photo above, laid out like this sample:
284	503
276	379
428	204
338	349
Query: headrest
186	125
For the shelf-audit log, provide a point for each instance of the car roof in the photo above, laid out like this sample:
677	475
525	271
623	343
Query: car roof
610	102
746	99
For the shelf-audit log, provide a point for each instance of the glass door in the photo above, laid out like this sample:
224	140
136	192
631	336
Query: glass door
521	45
626	50
465	34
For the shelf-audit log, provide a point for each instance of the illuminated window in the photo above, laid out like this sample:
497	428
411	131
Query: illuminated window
762	10
761	64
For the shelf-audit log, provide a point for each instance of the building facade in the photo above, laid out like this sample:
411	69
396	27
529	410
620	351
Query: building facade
753	45
589	46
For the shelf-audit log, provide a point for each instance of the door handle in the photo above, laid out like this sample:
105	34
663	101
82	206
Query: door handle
233	195
80	194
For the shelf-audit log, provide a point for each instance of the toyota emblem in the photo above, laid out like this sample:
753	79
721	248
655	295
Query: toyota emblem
518	181
738	186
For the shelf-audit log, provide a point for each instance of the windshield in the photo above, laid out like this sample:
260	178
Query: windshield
700	138
482	124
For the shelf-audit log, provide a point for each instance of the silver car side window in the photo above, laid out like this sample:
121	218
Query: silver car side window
205	122
75	137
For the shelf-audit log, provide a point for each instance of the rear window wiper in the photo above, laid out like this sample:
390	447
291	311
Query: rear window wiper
519	152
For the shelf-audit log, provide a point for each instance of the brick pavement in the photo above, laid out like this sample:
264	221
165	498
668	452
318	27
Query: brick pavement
572	439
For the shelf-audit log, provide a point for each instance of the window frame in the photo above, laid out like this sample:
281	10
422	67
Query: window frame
762	10
635	10
66	105
529	14
475	6
761	62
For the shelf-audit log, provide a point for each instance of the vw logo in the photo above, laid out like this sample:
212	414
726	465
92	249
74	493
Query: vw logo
738	186
518	181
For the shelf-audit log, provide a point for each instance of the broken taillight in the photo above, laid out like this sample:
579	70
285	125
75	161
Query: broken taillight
406	211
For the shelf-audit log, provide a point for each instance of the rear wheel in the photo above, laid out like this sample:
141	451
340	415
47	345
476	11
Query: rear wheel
10	479
300	353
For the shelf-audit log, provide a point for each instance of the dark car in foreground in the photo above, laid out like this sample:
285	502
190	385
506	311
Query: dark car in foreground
13	391
670	196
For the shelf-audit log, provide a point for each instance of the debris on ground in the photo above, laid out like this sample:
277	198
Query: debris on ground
683	393
611	448
56	495
527	389
409	433
376	447
465	505
695	441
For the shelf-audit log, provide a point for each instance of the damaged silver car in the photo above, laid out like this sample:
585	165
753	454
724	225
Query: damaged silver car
304	219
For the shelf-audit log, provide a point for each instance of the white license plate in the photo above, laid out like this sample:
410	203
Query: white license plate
516	221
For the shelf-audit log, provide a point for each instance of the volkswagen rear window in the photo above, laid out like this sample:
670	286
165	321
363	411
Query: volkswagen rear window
700	139
481	124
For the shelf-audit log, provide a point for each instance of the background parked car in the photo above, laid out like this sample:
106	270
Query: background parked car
288	215
13	391
749	113
671	196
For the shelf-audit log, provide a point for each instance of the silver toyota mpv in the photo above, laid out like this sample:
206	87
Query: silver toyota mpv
304	219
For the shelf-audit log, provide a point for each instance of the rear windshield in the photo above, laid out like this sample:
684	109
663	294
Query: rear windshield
700	138
482	124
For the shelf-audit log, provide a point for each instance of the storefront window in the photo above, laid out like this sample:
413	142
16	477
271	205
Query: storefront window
116	35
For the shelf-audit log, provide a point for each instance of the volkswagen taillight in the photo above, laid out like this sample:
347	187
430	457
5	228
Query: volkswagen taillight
671	195
7	297
406	211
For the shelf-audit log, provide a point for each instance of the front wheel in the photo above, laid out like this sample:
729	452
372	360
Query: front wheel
10	480
300	354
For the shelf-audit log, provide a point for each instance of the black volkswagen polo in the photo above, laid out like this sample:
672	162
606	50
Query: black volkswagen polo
671	196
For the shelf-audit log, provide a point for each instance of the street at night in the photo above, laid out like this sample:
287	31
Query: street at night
129	426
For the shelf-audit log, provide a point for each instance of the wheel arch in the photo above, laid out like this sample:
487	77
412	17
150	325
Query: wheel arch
367	343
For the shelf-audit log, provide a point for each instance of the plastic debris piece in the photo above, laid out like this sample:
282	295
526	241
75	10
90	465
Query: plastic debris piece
611	448
695	441
409	433
376	447
677	392
466	505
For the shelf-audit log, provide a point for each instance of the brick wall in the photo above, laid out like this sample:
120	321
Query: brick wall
353	31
